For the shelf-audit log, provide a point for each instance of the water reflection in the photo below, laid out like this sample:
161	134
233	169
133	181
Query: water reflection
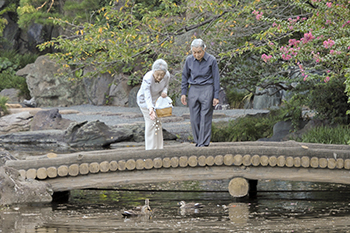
279	207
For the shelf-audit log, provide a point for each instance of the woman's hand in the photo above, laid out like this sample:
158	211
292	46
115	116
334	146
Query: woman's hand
163	95
152	114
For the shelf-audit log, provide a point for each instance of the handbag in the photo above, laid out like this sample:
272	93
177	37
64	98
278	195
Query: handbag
164	107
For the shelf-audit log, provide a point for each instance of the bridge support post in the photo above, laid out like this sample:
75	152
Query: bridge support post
238	187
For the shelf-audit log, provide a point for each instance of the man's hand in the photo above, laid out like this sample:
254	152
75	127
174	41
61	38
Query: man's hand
183	100
215	102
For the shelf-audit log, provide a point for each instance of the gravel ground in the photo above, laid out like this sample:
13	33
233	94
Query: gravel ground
177	124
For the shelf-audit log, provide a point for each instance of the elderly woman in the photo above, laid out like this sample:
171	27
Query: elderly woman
155	83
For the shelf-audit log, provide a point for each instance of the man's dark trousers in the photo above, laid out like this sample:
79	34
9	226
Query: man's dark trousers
200	103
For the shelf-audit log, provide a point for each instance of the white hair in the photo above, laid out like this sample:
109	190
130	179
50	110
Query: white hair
160	64
198	43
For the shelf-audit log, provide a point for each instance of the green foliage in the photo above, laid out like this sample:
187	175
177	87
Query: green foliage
257	43
3	101
236	98
330	101
244	128
9	7
339	134
44	11
10	62
292	111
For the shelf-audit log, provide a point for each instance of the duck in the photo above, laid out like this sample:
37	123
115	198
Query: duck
191	205
138	210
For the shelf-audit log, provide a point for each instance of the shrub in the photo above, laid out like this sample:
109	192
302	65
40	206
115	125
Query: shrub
3	107
330	102
10	62
245	128
235	98
339	134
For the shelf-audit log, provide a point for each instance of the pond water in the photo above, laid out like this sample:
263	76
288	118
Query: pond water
279	206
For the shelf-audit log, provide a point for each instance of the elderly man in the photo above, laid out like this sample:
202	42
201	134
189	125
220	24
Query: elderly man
200	78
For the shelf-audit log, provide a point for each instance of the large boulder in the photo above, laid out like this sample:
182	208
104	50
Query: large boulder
94	134
12	94
49	119
119	91
97	88
48	88
107	90
267	98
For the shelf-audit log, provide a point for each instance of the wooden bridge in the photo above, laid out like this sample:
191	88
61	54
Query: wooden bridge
239	161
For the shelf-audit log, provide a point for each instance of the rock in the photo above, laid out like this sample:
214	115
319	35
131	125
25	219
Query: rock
30	103
138	132
4	156
32	111
12	94
267	100
280	130
11	33
35	36
94	134
97	88
13	105
132	97
119	92
49	119
15	122
47	88
34	140
16	190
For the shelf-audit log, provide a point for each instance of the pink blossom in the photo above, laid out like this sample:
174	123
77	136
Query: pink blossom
329	4
326	79
258	16
328	21
286	57
291	27
307	37
293	42
349	47
328	71
265	57
301	67
347	22
332	52
328	43
274	24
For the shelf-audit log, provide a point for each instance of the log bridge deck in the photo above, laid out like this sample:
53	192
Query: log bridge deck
238	161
